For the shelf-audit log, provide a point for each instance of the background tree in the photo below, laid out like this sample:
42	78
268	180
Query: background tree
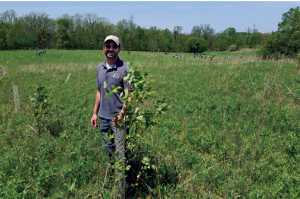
197	31
207	31
63	41
166	43
286	41
176	35
3	34
223	41
196	44
230	32
88	31
153	33
141	39
124	29
9	16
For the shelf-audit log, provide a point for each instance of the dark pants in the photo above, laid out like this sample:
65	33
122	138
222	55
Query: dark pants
106	125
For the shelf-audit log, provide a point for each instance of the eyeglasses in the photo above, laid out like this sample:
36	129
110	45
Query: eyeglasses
115	46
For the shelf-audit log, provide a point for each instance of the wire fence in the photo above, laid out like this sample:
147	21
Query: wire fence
119	186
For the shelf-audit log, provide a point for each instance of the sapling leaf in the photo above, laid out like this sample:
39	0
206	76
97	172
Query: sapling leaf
146	160
141	118
114	91
126	91
107	95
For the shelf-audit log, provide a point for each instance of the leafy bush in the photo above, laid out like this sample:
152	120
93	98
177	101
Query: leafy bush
196	44
41	106
233	47
285	40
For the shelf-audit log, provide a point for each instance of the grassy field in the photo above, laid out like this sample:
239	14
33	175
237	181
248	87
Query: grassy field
232	130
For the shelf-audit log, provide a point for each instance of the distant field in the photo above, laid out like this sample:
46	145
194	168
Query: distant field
232	130
23	57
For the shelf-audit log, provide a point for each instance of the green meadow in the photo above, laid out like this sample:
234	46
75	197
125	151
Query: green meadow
232	129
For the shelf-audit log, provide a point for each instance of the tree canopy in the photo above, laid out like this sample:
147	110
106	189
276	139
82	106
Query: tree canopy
196	44
88	30
286	41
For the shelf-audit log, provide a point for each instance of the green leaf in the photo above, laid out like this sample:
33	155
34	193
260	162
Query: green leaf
141	118
107	95
146	160
127	167
114	91
126	91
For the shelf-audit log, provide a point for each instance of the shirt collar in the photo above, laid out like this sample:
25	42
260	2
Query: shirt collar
117	64
109	67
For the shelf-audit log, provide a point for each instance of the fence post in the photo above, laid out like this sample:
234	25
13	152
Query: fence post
16	97
68	77
2	71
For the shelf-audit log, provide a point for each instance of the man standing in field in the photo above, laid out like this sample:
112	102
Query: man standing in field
111	110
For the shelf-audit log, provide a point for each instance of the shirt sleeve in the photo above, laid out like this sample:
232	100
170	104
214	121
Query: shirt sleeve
97	80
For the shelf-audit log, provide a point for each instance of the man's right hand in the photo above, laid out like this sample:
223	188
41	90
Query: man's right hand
94	121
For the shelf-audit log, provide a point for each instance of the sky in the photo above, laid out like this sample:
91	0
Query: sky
167	14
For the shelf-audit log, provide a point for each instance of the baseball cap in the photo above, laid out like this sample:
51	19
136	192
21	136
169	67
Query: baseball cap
114	38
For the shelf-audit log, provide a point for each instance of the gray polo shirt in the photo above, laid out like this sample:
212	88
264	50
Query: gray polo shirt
112	76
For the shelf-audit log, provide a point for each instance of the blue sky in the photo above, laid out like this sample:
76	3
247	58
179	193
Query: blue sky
220	15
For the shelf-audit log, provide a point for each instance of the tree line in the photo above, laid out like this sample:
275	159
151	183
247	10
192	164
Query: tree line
285	41
87	31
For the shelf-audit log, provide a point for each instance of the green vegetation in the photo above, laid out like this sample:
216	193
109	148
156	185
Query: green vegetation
232	129
232	48
38	30
285	41
196	44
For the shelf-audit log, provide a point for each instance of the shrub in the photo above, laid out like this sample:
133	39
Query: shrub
196	44
258	46
233	47
285	40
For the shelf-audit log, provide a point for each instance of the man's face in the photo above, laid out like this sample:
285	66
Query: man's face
111	49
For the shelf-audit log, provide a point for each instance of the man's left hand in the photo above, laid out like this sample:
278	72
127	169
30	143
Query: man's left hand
117	119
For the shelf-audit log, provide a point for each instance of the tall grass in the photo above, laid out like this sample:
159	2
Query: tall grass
231	132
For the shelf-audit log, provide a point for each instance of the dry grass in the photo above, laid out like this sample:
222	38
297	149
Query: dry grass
237	60
2	70
72	67
244	50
